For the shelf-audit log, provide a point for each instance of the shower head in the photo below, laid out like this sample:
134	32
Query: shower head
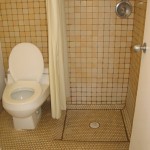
124	9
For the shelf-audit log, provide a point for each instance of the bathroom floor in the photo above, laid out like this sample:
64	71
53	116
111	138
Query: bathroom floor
71	132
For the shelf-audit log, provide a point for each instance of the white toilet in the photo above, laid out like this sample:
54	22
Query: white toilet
27	86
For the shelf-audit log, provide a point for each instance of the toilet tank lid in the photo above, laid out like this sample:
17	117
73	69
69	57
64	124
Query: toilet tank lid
26	62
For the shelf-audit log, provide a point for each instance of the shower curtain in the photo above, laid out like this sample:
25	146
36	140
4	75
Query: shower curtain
58	69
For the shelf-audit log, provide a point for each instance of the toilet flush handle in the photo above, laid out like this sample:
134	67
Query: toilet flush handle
138	48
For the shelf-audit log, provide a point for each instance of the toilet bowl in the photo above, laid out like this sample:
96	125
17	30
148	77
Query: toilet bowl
27	86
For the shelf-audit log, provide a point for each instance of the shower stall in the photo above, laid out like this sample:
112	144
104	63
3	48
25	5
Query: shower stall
104	69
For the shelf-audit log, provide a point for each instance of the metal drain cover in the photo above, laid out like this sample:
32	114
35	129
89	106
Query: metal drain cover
94	125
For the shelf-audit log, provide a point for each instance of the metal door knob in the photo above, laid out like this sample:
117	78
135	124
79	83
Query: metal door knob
138	48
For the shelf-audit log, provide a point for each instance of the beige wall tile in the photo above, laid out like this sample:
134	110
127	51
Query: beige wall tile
98	45
138	30
23	21
99	42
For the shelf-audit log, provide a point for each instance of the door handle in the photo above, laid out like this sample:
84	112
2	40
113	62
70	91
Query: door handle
138	48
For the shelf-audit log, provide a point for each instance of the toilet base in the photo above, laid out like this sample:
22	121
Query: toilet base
28	122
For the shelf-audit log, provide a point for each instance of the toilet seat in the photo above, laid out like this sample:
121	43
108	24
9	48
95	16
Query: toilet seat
26	62
18	86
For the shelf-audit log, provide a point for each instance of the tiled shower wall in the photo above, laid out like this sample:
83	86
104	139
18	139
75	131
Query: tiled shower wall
99	45
138	30
23	21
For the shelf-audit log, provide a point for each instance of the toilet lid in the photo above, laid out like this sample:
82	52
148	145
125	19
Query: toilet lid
26	62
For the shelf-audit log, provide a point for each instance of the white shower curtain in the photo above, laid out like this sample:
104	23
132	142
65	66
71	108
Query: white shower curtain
58	69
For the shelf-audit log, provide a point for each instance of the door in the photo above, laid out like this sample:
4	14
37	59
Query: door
140	138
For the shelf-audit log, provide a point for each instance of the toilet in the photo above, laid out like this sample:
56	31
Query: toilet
27	86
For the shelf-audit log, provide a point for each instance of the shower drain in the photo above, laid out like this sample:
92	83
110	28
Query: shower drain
94	125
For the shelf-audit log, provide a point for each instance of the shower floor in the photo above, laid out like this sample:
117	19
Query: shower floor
71	132
108	125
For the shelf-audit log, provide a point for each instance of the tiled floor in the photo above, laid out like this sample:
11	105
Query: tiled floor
111	126
51	135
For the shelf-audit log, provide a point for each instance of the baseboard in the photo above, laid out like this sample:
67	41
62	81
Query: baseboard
121	106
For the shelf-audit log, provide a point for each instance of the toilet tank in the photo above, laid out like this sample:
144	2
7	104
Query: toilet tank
44	78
